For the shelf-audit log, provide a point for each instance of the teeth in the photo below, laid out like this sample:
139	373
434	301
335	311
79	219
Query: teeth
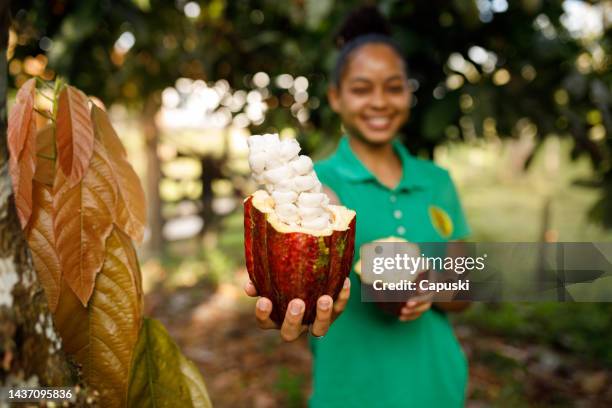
379	121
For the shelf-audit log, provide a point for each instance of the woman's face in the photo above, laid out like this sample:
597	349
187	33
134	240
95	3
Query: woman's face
373	98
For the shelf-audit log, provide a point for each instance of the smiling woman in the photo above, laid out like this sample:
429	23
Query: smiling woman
394	194
367	356
373	98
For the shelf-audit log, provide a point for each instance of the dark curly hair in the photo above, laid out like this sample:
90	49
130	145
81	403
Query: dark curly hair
365	25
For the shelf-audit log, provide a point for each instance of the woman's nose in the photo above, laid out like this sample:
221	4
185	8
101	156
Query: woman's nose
379	99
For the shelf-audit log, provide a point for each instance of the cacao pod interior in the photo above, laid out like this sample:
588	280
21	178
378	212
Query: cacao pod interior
340	216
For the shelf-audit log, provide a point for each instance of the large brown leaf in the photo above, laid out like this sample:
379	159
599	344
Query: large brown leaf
22	148
82	221
45	151
74	134
130	214
21	118
102	337
42	243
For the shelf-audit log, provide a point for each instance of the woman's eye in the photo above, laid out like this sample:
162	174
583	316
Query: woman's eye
396	89
359	91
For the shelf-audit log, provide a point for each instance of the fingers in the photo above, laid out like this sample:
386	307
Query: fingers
412	310
343	298
292	325
263	308
249	289
324	316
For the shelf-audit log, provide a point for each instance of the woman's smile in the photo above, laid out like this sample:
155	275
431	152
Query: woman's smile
378	122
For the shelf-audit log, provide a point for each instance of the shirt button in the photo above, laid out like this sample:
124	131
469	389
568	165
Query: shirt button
393	198
401	230
397	214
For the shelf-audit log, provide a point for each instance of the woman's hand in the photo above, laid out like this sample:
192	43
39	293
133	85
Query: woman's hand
413	310
292	327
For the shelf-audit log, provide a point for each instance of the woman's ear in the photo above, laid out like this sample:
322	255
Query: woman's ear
334	98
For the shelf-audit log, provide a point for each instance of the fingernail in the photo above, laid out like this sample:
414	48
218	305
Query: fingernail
296	308
324	304
263	305
347	283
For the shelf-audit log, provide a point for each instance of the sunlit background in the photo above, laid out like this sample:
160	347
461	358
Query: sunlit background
513	97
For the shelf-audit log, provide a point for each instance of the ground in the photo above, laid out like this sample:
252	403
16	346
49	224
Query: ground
247	367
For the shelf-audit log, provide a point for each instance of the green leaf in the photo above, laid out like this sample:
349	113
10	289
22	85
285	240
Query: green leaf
161	376
195	383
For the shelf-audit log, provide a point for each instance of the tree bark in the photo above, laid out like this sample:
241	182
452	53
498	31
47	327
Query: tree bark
154	204
30	348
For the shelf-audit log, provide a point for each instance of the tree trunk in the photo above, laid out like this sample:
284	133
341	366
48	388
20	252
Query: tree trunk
30	349
154	205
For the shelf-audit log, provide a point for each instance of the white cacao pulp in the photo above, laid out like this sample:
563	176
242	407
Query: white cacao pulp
290	180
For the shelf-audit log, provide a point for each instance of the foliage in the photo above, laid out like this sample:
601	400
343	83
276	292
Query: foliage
477	70
154	380
80	207
583	329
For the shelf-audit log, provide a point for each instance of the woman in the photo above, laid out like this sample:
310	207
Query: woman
368	358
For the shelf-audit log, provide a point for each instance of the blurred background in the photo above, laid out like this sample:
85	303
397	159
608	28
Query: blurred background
513	97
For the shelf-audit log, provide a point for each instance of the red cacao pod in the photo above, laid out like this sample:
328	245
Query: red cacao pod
284	264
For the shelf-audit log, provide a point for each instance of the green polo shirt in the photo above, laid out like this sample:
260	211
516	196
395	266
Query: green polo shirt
368	358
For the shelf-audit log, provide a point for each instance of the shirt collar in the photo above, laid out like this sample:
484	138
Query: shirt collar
355	171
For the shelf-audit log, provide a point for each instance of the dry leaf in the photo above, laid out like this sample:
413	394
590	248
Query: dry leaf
83	217
21	118
102	337
74	134
42	243
130	214
45	150
22	148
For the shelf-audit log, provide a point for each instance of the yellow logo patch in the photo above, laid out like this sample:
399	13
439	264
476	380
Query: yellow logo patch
441	221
